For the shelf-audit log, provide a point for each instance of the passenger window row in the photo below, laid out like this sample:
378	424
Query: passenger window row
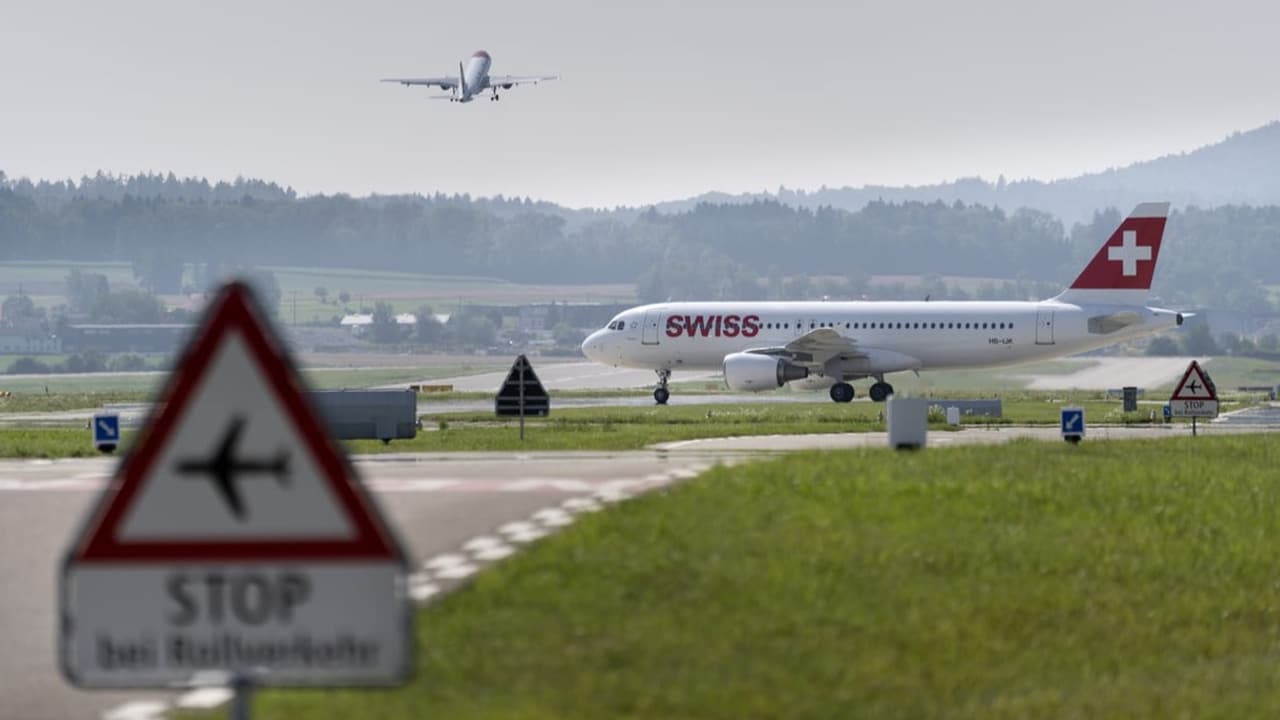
898	326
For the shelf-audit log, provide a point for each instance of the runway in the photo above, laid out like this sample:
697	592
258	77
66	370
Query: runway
560	375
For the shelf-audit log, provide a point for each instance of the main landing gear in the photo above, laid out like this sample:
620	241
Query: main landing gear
662	394
880	391
842	392
495	97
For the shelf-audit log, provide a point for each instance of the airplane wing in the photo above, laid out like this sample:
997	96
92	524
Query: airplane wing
815	347
445	83
826	350
504	81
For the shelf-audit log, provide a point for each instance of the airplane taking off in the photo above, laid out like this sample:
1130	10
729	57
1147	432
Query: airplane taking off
472	80
764	345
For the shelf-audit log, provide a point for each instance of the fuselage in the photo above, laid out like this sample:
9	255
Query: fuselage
475	76
928	335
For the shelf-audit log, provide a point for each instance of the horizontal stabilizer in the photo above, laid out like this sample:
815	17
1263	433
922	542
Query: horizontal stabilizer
1106	324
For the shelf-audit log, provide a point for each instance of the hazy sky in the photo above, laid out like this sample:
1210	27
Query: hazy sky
658	100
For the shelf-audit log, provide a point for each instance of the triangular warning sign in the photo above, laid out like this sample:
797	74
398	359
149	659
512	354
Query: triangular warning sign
1195	385
234	465
522	371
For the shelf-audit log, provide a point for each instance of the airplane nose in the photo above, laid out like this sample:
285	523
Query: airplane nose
592	347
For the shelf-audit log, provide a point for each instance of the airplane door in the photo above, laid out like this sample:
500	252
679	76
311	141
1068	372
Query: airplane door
1044	327
649	334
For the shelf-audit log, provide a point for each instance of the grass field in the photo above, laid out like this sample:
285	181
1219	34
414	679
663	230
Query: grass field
45	281
48	442
1115	579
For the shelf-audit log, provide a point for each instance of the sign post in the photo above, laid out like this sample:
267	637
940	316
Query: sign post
1195	396
235	538
522	394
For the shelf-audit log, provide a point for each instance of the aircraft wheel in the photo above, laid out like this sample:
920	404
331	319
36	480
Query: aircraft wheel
661	395
842	392
880	391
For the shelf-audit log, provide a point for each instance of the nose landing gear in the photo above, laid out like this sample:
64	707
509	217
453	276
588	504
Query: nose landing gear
661	395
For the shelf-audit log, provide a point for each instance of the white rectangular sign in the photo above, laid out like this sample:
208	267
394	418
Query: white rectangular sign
310	624
1194	408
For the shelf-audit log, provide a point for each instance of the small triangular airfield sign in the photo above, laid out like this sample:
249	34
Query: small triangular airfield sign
233	464
522	371
522	392
1195	385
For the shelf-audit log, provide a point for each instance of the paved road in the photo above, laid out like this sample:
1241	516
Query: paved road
570	376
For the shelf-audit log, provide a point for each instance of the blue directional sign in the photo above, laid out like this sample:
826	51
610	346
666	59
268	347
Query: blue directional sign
106	432
1168	413
1072	423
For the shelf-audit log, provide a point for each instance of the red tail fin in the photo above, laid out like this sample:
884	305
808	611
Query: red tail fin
1122	269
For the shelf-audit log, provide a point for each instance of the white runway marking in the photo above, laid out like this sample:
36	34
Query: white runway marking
444	562
137	710
204	698
553	517
457	572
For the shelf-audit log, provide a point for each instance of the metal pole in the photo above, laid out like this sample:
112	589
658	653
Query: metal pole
1193	426
522	401
241	698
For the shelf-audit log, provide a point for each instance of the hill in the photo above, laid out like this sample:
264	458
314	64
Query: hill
1240	169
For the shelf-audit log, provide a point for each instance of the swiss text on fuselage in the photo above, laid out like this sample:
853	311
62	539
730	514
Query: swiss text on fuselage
713	325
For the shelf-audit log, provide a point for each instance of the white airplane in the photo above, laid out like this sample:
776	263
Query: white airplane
472	80
764	345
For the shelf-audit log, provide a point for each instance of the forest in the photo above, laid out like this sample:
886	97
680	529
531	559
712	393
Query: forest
1222	257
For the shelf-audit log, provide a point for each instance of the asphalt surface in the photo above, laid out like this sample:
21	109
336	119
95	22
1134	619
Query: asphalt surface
569	376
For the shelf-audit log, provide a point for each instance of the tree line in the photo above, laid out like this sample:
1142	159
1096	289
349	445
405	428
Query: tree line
1212	257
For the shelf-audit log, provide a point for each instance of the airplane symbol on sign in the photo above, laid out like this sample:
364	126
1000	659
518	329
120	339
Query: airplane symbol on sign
224	468
1193	386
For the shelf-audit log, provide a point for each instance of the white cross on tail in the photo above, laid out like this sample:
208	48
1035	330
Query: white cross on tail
1129	252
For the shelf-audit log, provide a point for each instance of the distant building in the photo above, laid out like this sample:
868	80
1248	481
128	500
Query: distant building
136	338
22	342
359	322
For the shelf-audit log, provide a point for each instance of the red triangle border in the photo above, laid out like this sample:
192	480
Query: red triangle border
1194	367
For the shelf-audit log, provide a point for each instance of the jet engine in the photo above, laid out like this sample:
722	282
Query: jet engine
753	372
507	86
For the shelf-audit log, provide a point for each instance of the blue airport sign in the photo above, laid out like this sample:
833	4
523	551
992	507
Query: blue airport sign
106	432
1072	423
